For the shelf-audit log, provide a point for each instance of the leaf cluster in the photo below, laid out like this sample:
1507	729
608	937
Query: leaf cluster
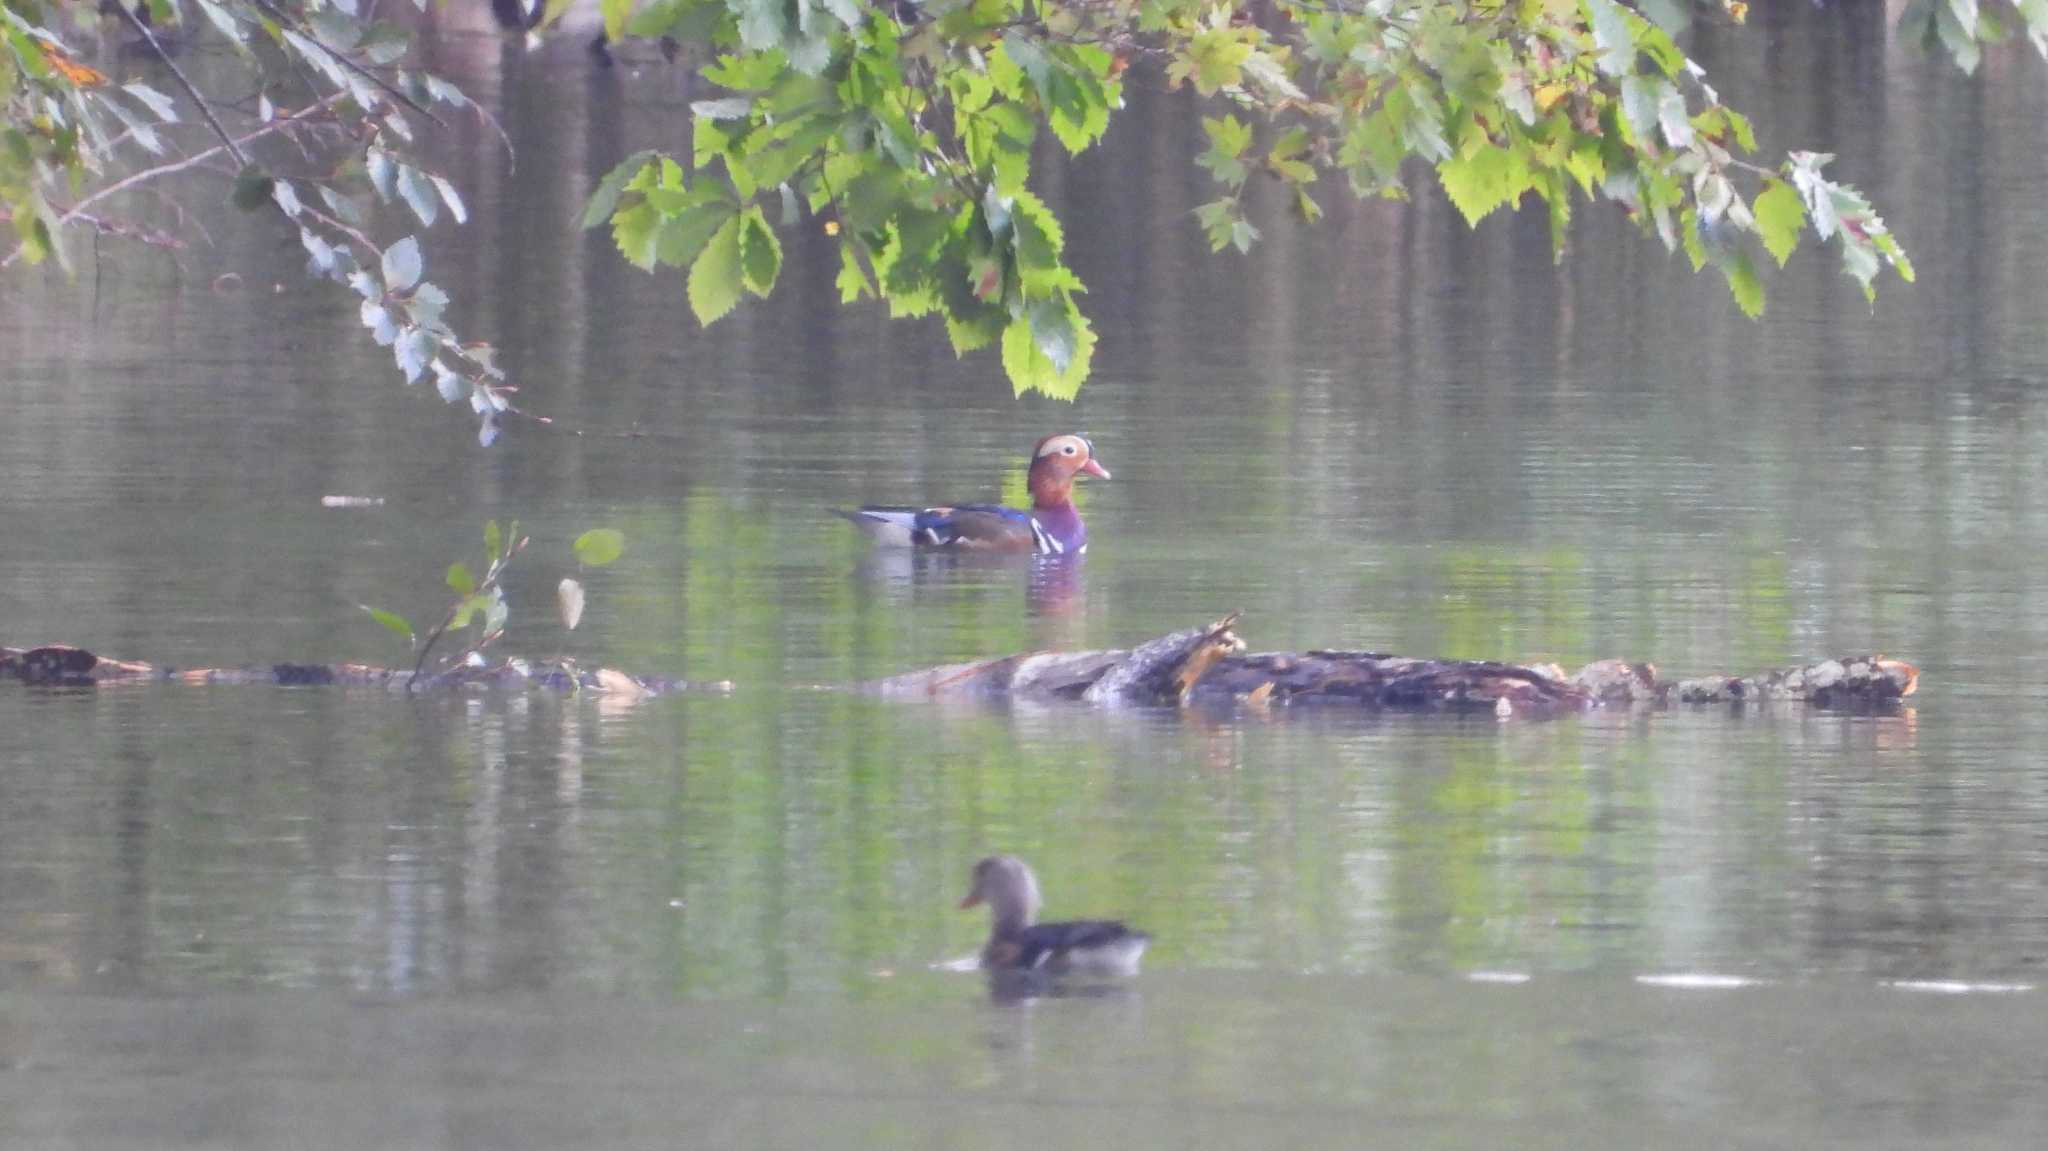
907	130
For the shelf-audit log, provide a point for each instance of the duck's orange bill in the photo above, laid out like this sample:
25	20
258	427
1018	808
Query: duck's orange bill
1095	469
973	899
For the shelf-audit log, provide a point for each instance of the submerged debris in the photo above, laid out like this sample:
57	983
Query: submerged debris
1199	667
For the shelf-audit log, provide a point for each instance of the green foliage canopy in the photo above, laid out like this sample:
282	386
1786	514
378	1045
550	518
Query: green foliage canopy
906	130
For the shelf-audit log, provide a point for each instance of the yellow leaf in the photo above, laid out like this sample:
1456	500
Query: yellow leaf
78	74
1547	95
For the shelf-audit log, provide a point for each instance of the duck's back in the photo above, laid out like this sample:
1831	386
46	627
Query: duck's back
1103	945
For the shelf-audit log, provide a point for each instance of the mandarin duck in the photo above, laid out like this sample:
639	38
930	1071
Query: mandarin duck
1050	527
1018	943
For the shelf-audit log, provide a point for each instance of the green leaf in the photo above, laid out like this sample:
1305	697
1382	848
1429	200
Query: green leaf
615	13
460	581
494	539
1030	370
599	546
636	231
853	282
1779	219
605	196
1036	234
1228	138
760	252
391	620
252	188
1484	180
1745	136
683	236
1744	283
715	277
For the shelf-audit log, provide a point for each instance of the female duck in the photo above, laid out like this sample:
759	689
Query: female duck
1050	527
1018	943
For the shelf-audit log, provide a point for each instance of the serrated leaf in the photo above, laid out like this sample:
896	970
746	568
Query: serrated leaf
1029	368
852	281
1779	219
1744	284
427	304
494	539
599	546
451	385
637	231
460	581
1484	180
402	265
716	279
682	237
414	350
377	318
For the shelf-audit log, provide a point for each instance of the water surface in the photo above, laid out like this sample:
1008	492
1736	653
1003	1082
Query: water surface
241	916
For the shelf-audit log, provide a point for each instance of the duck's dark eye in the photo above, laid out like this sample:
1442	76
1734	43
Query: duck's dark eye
1068	450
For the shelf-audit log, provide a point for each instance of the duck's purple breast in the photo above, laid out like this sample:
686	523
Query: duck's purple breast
1062	526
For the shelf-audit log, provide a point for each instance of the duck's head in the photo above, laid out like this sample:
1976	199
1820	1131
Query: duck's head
1006	884
1055	463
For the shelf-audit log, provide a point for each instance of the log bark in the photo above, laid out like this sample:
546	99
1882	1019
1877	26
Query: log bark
1208	666
1199	667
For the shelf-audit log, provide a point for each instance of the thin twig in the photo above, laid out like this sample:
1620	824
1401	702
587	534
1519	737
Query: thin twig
344	228
347	62
489	581
205	109
282	123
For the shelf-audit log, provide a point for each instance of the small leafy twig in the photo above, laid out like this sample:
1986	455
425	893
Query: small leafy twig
343	59
78	211
466	605
191	90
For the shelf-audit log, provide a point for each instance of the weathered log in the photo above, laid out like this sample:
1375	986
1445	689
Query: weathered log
1208	666
1203	666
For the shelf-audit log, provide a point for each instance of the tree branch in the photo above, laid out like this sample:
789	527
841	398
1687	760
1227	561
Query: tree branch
343	59
205	109
78	211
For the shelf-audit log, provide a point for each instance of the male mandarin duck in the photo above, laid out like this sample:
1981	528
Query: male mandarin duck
1019	943
1050	527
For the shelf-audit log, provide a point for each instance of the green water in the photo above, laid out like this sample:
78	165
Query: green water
259	917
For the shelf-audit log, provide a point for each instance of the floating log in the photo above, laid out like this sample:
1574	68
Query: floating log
1199	667
1208	666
